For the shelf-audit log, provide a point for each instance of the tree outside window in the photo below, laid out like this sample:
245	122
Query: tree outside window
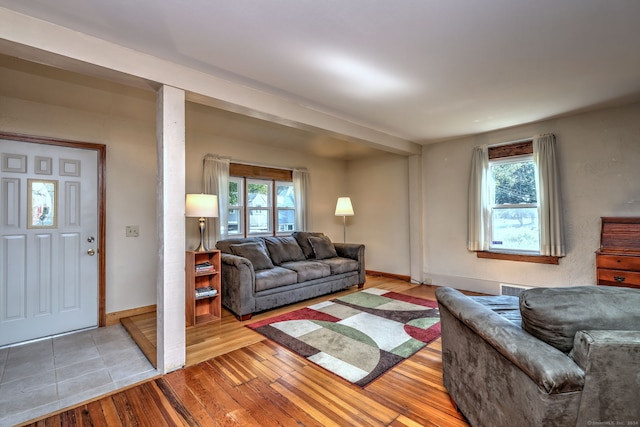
514	209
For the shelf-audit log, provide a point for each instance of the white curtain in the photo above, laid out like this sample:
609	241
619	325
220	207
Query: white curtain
549	213
478	228
215	179
301	191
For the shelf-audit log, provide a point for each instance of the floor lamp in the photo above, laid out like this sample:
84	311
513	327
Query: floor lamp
201	206
344	209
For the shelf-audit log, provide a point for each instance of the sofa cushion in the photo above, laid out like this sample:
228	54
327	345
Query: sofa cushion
554	315
284	249
274	278
256	252
302	237
322	247
308	270
339	265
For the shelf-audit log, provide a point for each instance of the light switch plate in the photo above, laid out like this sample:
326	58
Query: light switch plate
132	230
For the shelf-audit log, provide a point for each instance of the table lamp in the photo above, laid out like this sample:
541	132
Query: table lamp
201	206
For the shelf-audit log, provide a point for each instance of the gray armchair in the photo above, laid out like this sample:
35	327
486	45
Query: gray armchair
554	357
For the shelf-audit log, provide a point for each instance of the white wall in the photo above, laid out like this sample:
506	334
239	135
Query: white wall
379	191
599	158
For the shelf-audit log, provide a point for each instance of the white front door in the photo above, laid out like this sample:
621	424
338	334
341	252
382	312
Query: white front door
48	240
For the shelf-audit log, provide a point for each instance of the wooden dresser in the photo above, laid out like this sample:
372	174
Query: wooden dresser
618	259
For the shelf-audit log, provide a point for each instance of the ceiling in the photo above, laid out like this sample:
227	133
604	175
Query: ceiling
420	70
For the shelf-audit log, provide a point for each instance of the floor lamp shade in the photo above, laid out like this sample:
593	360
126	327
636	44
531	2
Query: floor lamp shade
344	209
201	206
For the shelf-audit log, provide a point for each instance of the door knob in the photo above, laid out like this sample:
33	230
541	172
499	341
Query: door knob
91	252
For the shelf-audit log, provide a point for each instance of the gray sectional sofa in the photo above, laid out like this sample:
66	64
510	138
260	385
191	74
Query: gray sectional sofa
553	357
261	273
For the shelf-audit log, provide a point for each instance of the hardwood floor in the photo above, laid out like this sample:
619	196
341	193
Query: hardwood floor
234	376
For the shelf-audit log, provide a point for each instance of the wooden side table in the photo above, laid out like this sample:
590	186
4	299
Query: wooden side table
203	287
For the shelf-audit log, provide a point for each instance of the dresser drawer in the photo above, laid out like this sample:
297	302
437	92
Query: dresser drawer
618	262
630	279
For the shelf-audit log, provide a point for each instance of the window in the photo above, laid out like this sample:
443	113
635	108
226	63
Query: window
261	202
514	202
286	207
259	206
514	208
235	218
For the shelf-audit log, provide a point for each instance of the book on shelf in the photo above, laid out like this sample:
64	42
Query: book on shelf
207	291
204	267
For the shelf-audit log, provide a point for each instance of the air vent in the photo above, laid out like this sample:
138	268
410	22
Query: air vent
512	290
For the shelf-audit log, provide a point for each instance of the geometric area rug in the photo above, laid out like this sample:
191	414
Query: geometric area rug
359	336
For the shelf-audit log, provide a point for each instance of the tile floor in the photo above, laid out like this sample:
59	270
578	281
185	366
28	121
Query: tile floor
44	376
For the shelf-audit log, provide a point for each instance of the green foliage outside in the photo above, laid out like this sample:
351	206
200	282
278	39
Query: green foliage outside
233	194
515	227
515	183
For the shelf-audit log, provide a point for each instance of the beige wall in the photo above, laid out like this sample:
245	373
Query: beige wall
38	100
379	191
327	177
598	153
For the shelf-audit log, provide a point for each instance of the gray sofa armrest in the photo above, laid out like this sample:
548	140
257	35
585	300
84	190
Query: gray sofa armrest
611	361
552	370
238	284
354	251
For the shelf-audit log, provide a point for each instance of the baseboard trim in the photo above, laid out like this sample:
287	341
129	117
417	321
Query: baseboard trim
388	275
114	317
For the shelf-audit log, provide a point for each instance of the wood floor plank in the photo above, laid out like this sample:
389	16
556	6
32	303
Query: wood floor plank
176	384
237	377
124	410
168	399
161	402
258	406
340	401
218	406
280	408
110	412
95	414
306	404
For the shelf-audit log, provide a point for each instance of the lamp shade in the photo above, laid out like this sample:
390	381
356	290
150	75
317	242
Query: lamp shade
343	207
201	205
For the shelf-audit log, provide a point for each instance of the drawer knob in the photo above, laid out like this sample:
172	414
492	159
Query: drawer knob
618	278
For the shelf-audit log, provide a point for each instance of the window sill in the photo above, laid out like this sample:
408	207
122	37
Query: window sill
539	259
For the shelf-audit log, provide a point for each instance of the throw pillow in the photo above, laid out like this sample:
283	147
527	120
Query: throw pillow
225	245
254	252
303	240
323	247
283	249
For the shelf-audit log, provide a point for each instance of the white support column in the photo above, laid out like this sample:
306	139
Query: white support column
416	220
170	123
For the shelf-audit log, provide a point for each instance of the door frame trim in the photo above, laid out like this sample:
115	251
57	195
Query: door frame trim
101	150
